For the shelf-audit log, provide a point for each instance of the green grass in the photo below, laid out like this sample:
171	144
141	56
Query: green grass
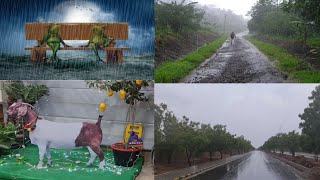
172	72
288	63
314	42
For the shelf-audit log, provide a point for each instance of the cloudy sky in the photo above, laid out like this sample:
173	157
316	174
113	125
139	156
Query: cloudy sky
237	6
256	111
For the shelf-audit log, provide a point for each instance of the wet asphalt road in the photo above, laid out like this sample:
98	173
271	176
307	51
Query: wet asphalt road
194	169
241	62
259	166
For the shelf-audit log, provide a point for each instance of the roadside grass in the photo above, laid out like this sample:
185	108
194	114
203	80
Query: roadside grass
173	71
288	63
313	42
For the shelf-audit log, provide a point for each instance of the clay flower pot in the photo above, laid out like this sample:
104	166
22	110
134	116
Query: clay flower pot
125	157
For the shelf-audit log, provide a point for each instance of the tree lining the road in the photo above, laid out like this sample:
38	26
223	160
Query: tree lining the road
309	139
177	17
299	19
176	136
291	141
311	121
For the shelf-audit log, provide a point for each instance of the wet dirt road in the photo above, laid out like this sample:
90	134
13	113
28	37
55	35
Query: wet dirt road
259	166
241	62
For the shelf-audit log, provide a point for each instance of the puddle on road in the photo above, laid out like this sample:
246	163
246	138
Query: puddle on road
258	166
225	54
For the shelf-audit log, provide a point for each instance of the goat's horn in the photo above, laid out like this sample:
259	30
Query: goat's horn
28	105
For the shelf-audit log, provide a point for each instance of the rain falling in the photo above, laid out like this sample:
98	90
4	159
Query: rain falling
76	62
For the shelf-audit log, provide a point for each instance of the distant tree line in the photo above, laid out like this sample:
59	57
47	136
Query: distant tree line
282	142
222	20
309	139
295	18
173	135
189	17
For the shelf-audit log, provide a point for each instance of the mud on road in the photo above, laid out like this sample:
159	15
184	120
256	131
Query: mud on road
240	62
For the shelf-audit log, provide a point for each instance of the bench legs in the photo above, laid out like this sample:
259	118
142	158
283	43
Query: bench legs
120	57
114	56
38	55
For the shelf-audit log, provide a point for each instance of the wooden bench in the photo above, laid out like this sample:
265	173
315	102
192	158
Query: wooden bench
76	31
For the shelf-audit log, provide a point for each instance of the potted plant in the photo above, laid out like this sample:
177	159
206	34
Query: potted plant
30	93
129	91
7	137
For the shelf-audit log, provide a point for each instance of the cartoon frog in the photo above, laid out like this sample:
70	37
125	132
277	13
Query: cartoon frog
99	40
53	40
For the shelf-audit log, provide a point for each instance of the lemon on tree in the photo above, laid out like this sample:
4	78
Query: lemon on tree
110	93
123	94
103	106
139	82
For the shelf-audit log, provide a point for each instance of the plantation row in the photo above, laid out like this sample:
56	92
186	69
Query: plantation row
183	136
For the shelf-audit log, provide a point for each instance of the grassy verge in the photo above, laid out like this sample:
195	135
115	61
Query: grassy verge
288	63
172	72
312	42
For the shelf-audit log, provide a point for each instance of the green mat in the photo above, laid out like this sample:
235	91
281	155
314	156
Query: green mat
21	164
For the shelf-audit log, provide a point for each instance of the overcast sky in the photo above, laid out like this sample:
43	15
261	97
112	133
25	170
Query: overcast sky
256	111
240	7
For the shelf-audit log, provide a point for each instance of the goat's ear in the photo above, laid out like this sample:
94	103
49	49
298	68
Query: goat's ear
22	110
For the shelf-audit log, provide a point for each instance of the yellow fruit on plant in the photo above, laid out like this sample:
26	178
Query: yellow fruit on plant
103	107
110	92
123	94
139	82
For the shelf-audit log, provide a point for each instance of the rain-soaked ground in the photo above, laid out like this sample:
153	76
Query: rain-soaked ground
79	66
259	166
241	62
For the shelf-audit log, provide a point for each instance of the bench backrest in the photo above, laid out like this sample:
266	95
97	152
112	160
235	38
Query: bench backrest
77	31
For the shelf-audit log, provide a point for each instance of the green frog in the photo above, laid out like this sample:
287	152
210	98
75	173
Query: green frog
53	39
99	40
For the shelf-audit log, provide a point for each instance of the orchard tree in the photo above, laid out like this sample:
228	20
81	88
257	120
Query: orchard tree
191	138
292	140
221	138
166	133
211	146
173	135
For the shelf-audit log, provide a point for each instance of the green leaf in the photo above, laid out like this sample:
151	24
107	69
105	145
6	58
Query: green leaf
4	146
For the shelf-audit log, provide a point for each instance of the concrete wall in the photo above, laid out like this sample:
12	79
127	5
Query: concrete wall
73	101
